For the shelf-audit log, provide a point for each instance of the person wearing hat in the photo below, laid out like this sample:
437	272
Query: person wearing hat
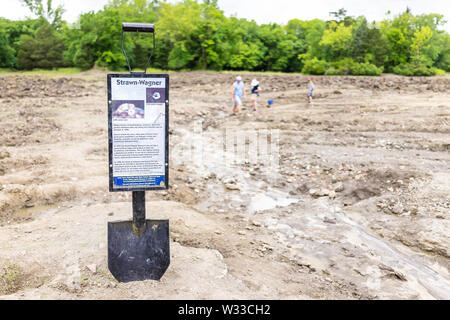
255	93
310	89
238	93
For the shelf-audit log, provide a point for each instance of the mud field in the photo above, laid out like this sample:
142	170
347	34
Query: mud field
354	202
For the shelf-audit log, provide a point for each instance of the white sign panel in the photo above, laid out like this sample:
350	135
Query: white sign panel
138	132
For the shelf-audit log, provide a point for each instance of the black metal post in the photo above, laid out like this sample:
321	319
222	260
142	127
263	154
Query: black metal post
138	212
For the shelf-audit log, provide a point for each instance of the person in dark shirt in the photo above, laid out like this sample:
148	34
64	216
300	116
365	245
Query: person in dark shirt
255	94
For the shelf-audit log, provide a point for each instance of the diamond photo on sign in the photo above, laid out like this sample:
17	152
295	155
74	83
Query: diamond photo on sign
129	109
156	95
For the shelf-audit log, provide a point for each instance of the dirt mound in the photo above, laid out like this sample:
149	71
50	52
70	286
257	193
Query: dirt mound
14	197
26	122
351	204
12	164
35	86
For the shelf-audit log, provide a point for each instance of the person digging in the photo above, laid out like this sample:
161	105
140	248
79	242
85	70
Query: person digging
238	93
310	90
256	89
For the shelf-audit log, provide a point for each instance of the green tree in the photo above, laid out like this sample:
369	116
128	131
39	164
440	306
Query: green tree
43	50
419	42
314	30
368	44
337	40
177	25
7	52
193	34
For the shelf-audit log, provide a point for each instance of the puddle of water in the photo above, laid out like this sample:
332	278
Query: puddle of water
35	211
262	202
213	161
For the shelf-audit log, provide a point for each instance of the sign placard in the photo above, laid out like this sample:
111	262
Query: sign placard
138	132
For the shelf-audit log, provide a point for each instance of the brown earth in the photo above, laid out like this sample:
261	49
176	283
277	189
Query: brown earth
356	204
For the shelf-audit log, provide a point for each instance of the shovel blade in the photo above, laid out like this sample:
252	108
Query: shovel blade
137	258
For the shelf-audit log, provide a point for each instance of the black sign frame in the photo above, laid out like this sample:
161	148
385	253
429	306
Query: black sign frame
110	140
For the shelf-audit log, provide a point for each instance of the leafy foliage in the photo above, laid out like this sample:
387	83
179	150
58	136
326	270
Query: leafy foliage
315	66
411	69
42	50
7	53
349	67
193	34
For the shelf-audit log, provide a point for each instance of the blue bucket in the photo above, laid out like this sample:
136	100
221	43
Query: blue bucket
270	102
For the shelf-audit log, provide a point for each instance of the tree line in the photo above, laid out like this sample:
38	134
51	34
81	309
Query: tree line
193	35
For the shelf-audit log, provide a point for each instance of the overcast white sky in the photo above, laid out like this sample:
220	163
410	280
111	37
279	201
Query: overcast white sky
265	11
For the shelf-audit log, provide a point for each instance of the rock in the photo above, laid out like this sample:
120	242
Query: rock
232	186
27	204
330	221
92	268
229	180
73	279
319	193
392	273
256	223
338	187
302	188
4	154
398	208
332	195
406	214
347	202
212	175
414	210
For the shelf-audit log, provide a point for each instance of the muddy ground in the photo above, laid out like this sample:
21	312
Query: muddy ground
353	201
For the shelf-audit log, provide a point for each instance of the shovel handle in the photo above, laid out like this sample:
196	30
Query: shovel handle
138	212
138	27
